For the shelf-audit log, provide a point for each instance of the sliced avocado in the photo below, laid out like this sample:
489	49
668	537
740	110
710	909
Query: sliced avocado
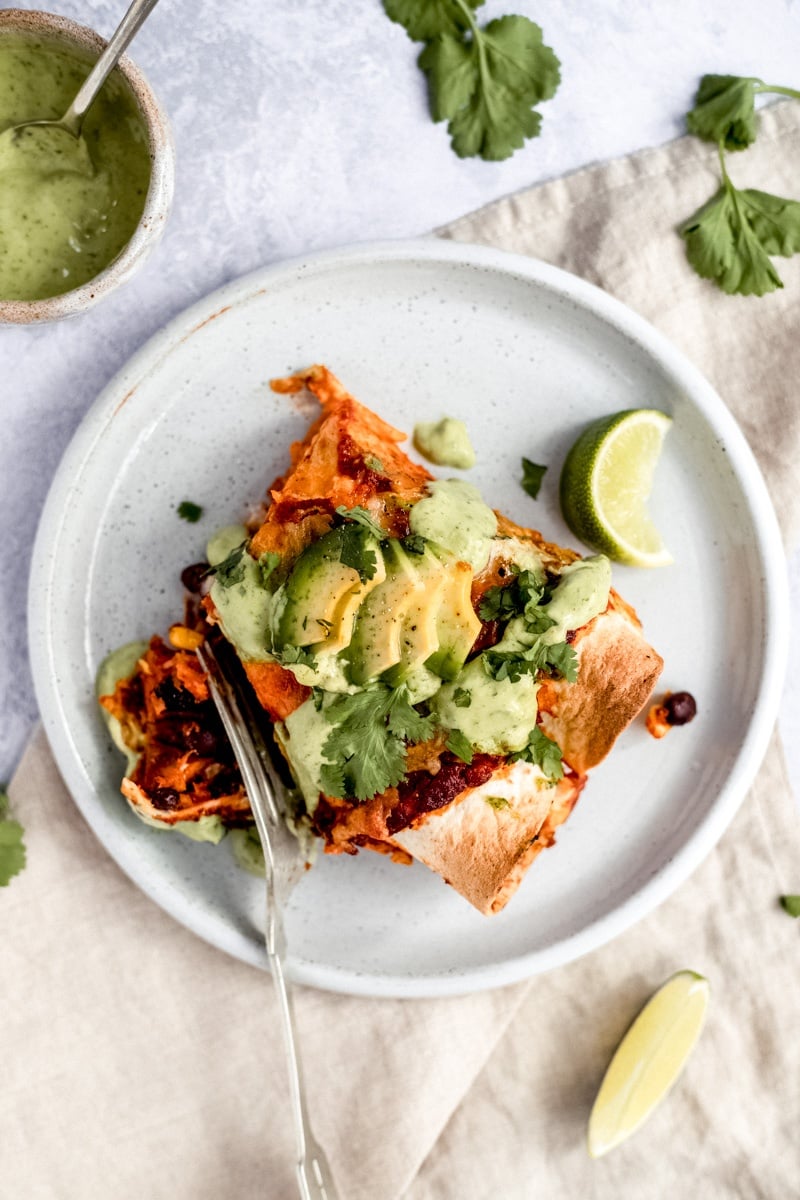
320	590
376	643
341	631
457	625
419	638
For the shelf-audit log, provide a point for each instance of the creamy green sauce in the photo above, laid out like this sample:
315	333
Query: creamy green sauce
581	594
501	714
67	209
303	734
244	608
445	442
119	664
248	851
455	516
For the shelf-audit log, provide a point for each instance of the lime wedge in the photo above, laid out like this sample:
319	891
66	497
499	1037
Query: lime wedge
606	481
648	1060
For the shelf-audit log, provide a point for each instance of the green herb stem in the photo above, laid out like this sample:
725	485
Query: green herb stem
792	93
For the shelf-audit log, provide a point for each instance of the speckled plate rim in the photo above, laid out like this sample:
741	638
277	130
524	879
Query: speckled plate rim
622	320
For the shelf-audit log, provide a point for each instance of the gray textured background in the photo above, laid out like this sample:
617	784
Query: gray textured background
303	125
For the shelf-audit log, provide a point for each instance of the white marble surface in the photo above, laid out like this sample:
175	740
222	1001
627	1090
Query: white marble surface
302	124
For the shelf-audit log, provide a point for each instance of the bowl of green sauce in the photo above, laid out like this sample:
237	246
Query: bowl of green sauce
75	222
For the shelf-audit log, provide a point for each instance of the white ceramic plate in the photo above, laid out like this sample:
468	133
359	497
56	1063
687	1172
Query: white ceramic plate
527	355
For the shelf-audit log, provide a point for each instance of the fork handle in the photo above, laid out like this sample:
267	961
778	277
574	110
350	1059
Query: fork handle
313	1173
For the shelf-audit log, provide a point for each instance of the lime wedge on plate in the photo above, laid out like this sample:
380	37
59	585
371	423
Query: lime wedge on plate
606	481
648	1060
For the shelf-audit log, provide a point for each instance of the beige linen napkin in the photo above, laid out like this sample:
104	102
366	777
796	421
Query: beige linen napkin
140	1064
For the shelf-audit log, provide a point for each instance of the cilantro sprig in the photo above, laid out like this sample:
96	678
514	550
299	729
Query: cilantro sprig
483	80
364	754
12	847
525	596
521	595
559	658
733	237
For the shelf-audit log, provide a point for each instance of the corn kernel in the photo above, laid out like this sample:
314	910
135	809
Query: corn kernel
185	639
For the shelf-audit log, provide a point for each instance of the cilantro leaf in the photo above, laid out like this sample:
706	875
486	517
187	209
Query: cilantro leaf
333	781
12	847
405	721
462	698
358	531
231	569
485	82
414	543
358	552
189	511
774	220
497	603
365	750
296	654
561	657
267	563
374	464
791	905
723	239
425	19
459	745
724	111
532	476
360	516
558	657
525	590
449	66
543	752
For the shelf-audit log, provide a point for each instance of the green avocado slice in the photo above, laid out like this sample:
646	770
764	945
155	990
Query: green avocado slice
377	637
321	591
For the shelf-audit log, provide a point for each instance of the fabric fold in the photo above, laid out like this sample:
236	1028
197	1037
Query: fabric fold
140	1061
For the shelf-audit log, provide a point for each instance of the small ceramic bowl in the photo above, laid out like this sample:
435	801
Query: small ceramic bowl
162	176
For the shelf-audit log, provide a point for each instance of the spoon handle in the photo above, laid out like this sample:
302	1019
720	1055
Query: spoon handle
129	26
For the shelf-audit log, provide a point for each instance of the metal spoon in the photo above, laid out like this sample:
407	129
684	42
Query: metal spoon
72	120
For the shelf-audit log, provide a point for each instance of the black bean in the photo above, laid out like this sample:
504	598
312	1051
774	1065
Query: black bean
681	708
165	798
176	699
192	577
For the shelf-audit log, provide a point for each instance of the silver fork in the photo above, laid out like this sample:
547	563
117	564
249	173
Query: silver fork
283	868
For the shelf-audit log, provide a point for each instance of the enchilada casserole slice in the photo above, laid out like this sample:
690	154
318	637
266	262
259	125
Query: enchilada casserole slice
440	680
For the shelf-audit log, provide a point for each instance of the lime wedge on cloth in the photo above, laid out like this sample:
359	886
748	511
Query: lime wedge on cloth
648	1060
606	481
